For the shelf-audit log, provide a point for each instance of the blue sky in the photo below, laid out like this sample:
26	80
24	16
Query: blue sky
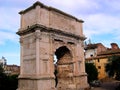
102	22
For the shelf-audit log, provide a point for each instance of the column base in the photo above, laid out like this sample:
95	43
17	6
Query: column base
36	84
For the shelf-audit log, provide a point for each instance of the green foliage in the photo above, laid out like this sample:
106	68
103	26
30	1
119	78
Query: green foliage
1	69
8	82
92	72
12	82
113	67
2	77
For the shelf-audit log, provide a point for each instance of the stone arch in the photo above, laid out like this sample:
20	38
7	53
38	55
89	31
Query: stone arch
45	31
64	67
62	52
57	45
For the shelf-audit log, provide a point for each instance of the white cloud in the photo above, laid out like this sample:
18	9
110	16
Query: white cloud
4	36
9	19
96	14
113	4
101	17
73	6
101	23
12	57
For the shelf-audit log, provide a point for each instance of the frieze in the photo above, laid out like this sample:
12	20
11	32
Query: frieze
42	28
64	39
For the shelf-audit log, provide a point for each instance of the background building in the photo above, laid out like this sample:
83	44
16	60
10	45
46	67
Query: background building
99	55
3	62
9	69
12	69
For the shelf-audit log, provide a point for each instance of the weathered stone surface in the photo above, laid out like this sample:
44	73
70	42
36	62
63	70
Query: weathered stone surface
46	32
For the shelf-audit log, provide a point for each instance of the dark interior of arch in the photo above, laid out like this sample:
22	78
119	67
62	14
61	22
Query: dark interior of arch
60	52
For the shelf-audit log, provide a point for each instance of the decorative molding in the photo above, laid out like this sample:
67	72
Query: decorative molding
42	28
50	9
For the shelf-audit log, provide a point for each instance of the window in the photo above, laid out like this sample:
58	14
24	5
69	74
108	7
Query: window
99	67
91	55
98	60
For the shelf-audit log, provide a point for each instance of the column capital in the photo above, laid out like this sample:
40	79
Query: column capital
37	34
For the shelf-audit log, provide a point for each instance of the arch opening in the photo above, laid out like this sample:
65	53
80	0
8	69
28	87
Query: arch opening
63	55
60	52
63	66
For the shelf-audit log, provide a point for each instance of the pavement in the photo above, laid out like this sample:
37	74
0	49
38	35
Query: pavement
106	86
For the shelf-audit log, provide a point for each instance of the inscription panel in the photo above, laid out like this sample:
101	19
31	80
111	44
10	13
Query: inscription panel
59	21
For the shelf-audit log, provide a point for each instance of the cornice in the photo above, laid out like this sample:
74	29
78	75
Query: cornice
48	30
49	9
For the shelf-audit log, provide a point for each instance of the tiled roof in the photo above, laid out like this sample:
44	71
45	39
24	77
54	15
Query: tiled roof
105	54
110	52
91	46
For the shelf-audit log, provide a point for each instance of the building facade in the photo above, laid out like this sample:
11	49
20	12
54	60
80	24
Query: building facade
9	69
12	69
98	54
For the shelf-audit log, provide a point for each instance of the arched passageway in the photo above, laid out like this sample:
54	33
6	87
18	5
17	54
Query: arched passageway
63	67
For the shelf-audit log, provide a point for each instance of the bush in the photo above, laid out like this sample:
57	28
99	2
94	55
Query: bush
8	82
92	72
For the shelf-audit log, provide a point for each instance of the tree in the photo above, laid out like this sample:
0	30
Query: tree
1	69
92	72
113	67
11	82
8	82
2	77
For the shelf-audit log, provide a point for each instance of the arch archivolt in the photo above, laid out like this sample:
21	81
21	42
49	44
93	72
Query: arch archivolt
59	41
65	64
